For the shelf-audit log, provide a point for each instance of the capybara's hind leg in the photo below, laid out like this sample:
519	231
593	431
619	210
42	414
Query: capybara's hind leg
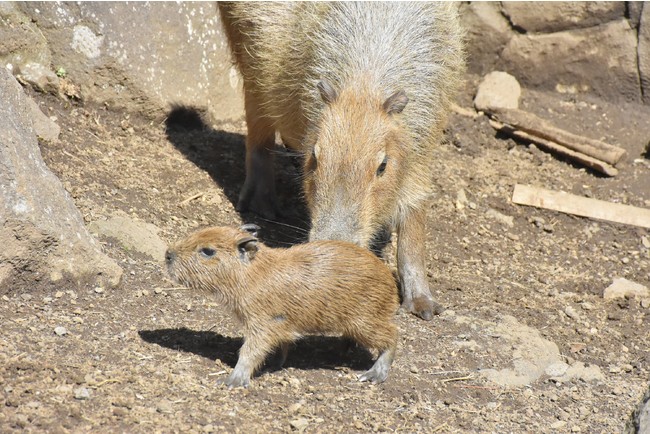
411	266
258	193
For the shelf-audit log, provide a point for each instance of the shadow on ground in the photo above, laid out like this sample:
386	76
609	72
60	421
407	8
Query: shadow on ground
222	155
314	352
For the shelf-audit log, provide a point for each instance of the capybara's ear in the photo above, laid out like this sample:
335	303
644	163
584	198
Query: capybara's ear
247	248
251	228
327	92
396	102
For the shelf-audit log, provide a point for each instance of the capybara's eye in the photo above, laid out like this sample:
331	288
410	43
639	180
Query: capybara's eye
382	166
207	252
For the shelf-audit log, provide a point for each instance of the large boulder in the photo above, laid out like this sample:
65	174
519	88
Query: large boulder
601	60
42	234
548	17
488	32
142	57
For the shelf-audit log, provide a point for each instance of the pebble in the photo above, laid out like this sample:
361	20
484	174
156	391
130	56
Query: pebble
571	313
81	393
60	331
299	424
58	294
414	369
99	290
164	406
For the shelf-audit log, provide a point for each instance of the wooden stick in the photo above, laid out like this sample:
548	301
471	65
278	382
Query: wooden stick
581	206
535	126
583	159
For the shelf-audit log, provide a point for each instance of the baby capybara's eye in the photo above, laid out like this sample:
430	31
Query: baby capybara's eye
207	252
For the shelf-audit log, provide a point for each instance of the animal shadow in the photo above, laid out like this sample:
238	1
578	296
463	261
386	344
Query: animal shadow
313	352
221	154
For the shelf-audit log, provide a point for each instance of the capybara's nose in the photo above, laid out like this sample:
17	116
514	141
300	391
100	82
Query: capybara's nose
169	256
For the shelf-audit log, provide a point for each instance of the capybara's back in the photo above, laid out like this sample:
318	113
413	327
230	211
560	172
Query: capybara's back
363	91
284	49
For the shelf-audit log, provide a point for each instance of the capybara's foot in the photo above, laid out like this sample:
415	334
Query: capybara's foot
424	307
379	371
236	379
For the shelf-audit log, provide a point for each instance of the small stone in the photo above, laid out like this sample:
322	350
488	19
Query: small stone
621	288
571	313
299	424
60	331
293	408
208	428
26	296
414	369
99	290
158	291
78	320
625	260
645	303
145	292
294	382
497	90
646	242
548	228
557	425
164	406
58	294
81	393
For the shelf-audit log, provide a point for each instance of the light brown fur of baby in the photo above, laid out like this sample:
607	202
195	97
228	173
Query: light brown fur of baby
279	295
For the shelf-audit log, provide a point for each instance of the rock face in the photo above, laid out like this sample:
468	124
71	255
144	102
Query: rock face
42	234
138	56
548	17
488	32
601	60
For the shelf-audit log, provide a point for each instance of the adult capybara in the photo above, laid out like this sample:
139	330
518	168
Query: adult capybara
279	295
363	91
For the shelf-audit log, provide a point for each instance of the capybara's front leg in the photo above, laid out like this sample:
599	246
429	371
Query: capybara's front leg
251	356
258	192
411	266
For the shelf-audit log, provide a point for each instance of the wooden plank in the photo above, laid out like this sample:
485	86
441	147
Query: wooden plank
581	206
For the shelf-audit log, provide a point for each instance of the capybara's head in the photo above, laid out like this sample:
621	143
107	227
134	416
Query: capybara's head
210	257
354	170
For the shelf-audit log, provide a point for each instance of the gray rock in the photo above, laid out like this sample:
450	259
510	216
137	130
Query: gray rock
577	371
501	218
38	76
548	17
644	53
44	127
42	233
601	60
60	331
142	57
488	33
81	393
498	90
531	353
133	235
621	288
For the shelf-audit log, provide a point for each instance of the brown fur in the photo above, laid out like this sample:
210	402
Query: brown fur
279	295
362	90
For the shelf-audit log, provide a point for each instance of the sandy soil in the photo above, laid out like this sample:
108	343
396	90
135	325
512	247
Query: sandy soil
145	357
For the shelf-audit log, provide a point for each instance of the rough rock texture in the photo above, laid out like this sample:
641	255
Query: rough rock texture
623	288
487	33
139	56
531	353
644	53
132	235
601	60
42	234
498	90
44	127
548	17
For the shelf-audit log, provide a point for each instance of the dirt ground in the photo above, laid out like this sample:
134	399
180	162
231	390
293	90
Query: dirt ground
146	356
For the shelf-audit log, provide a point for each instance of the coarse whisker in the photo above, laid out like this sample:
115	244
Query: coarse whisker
298	228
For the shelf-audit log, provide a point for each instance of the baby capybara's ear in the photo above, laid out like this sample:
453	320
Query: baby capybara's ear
251	228
247	248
